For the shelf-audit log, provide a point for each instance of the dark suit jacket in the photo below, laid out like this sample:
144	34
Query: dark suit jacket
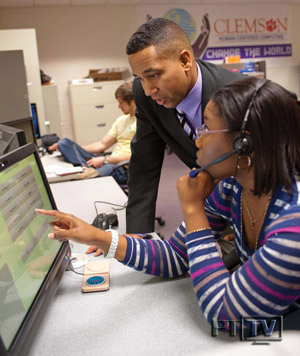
156	127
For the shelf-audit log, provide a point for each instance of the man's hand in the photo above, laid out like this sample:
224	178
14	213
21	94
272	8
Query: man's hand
53	147
96	162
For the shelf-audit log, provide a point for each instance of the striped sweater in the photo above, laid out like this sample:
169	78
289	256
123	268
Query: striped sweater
267	282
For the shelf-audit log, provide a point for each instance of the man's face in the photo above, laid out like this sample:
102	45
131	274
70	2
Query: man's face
166	80
124	106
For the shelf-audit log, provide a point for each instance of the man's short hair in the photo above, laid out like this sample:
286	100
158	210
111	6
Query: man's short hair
124	92
164	35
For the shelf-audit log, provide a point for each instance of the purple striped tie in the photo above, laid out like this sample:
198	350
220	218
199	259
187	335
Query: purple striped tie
186	125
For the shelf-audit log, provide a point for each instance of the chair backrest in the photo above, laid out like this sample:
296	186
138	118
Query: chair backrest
120	174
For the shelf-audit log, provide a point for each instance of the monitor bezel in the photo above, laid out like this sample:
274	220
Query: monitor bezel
20	134
24	119
30	325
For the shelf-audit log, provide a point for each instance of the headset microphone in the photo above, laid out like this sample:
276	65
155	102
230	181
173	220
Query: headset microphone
219	159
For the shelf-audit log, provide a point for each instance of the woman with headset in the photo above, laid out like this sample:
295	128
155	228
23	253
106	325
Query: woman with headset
249	144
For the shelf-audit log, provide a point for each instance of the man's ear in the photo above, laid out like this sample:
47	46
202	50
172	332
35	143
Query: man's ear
186	59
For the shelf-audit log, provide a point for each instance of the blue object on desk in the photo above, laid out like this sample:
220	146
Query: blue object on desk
95	280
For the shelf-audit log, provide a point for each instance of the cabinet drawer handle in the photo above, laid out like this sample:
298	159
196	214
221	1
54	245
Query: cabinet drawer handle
99	106
101	125
97	88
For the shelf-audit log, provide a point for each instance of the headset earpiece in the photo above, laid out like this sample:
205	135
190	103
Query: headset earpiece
243	144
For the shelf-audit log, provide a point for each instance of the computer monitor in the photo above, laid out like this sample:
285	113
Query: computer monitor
34	115
10	139
25	124
31	265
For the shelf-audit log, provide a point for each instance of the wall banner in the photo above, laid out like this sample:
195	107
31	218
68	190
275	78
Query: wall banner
215	31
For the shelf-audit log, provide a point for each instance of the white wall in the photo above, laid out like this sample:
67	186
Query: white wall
72	40
289	77
26	40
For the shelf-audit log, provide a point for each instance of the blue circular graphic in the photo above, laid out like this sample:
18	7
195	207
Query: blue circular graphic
95	280
183	18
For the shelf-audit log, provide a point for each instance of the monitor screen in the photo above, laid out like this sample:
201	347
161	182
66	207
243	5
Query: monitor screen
34	114
10	139
29	261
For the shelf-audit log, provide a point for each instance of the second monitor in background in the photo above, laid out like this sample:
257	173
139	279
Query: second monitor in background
10	138
34	114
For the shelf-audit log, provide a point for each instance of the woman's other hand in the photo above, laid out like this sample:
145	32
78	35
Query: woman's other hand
91	249
192	192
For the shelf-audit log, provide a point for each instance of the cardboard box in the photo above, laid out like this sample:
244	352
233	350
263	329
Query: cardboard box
99	76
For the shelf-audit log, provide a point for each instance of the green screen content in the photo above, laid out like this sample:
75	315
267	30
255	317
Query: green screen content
26	253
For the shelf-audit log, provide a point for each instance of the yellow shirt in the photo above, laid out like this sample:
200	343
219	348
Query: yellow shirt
123	130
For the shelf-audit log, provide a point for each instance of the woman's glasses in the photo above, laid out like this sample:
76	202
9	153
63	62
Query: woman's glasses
203	130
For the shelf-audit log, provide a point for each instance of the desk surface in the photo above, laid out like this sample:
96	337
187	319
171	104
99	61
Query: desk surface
53	161
78	197
140	314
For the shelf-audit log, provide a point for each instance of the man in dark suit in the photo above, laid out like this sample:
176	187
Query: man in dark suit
171	90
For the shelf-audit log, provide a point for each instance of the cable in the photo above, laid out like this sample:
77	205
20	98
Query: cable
231	191
105	202
70	267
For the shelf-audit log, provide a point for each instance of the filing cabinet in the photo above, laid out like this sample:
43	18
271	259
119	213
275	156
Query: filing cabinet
52	110
94	109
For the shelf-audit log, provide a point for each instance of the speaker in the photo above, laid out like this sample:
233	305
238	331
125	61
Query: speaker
243	144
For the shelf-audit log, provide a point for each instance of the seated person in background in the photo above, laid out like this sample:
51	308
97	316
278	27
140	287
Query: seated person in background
258	194
120	133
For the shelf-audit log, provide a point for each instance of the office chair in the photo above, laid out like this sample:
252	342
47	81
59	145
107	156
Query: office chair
124	187
123	184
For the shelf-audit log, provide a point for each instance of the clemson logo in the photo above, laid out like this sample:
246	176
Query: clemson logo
271	25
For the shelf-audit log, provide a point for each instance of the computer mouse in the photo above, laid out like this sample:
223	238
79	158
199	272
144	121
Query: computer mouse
105	221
